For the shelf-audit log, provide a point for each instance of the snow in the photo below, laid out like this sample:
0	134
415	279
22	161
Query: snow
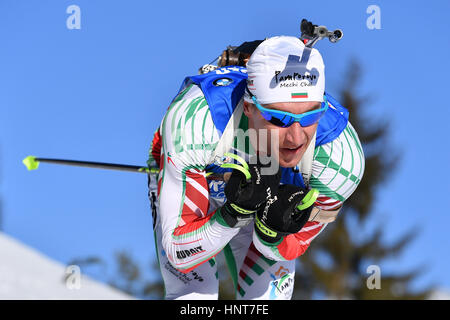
27	274
440	294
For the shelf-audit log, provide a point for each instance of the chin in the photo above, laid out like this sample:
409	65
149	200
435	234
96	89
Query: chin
290	162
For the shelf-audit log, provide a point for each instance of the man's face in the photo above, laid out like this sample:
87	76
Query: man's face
292	141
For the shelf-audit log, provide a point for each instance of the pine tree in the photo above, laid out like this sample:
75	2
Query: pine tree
336	264
127	274
128	277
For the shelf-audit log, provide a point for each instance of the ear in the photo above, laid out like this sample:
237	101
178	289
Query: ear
248	109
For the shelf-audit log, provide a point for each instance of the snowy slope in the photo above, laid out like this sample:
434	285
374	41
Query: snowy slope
440	294
27	274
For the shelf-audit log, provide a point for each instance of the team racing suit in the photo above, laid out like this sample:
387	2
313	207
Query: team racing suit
189	230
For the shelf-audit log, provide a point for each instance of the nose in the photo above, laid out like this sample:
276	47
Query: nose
295	135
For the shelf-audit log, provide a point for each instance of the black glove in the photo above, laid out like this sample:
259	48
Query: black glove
280	216
246	196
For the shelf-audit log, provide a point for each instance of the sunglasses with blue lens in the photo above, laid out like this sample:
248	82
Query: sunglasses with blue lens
286	119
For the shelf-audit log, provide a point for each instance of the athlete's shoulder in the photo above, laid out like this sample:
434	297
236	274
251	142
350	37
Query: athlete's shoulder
187	130
185	106
338	165
333	122
190	92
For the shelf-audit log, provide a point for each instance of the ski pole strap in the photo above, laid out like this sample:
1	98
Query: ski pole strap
309	199
237	158
242	168
238	167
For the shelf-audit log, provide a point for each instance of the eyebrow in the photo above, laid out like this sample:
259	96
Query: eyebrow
315	107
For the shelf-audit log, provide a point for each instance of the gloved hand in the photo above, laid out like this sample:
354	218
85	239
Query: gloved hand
245	195
281	215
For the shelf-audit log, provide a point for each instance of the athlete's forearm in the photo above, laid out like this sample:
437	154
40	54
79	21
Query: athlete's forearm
192	231
198	241
291	246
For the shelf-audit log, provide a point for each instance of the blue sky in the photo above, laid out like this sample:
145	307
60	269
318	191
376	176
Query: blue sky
99	93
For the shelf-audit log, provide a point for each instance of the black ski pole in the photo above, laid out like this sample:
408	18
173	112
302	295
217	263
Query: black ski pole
32	163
